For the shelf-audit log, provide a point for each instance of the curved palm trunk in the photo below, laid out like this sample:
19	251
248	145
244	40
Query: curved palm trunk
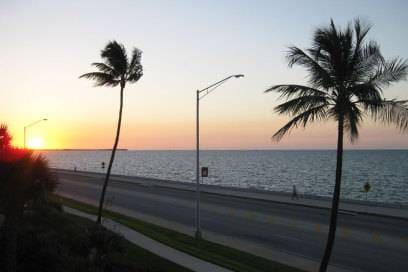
336	198
115	145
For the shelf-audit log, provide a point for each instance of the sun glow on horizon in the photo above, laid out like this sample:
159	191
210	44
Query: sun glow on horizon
35	143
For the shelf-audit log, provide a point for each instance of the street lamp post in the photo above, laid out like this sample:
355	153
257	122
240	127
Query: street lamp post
30	125
203	93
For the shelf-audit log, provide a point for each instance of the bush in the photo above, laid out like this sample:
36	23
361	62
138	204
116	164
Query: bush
103	246
36	234
25	182
50	240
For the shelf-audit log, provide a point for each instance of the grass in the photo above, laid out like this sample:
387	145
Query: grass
224	256
50	240
137	258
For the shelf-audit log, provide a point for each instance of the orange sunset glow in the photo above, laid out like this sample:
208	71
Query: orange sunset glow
35	143
159	110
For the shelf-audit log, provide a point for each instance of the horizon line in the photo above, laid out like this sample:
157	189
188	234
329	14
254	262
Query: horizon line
218	149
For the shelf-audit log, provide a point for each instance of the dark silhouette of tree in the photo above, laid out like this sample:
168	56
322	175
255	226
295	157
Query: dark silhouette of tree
25	181
346	78
5	138
115	70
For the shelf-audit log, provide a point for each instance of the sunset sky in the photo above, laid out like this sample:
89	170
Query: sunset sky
187	45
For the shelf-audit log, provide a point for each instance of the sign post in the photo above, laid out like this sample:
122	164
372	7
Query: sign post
204	172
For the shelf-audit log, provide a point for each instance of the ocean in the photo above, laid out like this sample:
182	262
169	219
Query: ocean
312	171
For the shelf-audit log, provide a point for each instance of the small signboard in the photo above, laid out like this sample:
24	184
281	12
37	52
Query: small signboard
204	172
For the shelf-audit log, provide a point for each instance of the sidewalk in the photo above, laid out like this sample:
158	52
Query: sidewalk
153	246
352	206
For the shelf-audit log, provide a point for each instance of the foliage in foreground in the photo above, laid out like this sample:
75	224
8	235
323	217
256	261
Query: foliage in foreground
35	234
25	182
50	240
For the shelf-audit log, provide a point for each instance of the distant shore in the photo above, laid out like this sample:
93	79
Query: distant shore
83	149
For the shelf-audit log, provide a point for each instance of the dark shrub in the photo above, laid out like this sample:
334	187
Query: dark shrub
103	245
50	240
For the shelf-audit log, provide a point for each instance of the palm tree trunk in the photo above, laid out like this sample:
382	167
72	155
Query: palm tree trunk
115	145
336	198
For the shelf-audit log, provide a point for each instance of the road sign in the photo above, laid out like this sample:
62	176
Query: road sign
204	172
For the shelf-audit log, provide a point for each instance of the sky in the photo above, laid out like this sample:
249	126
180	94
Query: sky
187	45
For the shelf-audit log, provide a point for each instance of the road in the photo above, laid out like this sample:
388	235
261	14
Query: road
272	230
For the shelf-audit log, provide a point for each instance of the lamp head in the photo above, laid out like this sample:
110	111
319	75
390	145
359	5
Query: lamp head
238	76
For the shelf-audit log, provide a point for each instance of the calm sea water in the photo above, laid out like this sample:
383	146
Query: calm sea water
311	171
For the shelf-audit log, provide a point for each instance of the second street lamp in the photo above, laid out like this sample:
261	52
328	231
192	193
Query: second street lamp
30	125
200	95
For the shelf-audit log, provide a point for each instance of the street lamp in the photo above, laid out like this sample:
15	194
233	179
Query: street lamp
30	125
200	95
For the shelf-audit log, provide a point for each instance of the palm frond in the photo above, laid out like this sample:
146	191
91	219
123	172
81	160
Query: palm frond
302	103
135	76
103	67
390	72
371	53
115	56
101	79
311	115
389	112
318	76
136	58
327	50
135	70
366	91
291	90
353	118
360	30
366	60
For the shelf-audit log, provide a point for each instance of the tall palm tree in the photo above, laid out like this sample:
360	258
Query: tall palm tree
346	77
115	70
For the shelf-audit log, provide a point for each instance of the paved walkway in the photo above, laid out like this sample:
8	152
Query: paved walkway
155	247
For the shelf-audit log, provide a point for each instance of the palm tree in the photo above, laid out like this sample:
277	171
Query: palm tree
346	77
25	180
116	69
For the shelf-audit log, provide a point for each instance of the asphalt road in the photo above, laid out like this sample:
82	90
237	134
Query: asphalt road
363	243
